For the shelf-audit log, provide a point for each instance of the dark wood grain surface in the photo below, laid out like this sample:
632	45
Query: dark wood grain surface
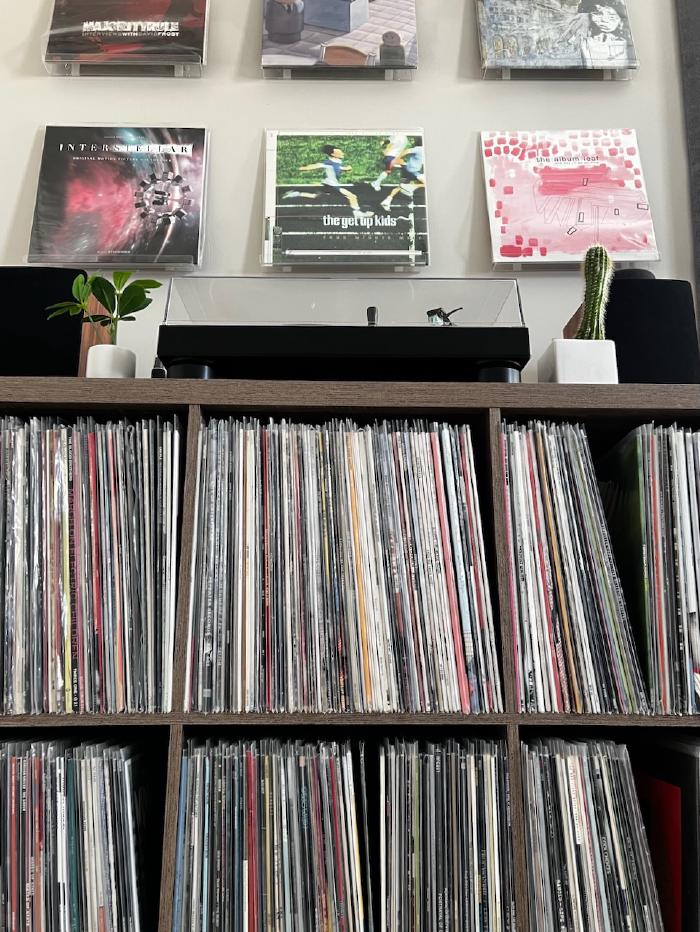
415	397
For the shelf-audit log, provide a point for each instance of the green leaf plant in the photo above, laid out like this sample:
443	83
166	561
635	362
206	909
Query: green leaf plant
120	300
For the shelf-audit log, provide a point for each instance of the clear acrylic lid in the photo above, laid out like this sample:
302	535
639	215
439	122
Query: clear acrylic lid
290	300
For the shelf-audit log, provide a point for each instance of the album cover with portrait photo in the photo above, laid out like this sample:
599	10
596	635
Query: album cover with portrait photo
548	34
120	196
346	197
553	193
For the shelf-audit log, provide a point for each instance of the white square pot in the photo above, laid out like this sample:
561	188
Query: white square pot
106	361
581	362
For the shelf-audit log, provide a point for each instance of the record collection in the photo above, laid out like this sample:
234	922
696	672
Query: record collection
667	774
70	827
88	518
446	860
120	197
269	838
588	858
574	650
652	496
339	568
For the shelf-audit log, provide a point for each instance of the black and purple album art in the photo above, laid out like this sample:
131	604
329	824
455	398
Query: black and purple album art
118	31
120	196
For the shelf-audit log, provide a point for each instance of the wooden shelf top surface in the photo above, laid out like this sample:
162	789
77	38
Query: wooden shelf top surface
277	720
277	396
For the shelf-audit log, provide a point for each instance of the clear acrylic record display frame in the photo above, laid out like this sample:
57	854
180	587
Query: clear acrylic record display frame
521	47
330	40
154	201
315	219
73	57
547	198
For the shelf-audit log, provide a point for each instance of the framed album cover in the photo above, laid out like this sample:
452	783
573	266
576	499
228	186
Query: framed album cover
346	197
120	196
537	35
163	37
339	34
552	194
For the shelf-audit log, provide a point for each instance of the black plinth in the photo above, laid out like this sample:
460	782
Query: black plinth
428	354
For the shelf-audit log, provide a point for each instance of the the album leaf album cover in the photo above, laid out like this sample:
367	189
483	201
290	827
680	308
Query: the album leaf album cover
120	196
575	34
122	31
339	34
346	197
552	194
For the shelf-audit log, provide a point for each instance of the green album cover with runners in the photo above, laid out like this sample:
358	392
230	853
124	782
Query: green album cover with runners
345	197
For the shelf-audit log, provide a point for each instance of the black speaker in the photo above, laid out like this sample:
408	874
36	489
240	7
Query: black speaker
652	322
31	344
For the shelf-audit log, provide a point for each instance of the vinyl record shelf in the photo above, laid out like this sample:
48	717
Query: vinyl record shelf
608	413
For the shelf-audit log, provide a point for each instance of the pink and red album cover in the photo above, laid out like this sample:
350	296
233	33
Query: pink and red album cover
128	31
552	194
120	196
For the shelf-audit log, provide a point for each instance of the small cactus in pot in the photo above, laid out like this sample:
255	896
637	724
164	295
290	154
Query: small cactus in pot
598	270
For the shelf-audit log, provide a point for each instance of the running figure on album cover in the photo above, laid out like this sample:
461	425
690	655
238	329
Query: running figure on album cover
347	195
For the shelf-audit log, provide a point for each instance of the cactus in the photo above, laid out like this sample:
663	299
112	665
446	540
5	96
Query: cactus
598	269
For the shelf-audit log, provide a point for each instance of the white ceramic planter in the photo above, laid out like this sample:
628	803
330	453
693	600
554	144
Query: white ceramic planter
110	362
581	362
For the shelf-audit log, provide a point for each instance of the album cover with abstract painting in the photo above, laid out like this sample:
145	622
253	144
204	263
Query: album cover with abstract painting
552	194
120	196
338	34
544	34
345	197
127	32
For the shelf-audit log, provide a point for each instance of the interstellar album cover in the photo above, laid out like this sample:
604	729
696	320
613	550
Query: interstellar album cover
120	196
346	197
123	31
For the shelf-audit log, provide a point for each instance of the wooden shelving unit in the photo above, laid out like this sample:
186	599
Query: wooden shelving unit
607	411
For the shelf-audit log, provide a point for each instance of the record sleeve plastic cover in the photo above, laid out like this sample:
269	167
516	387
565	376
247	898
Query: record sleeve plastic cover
345	197
552	194
119	31
586	34
120	196
339	34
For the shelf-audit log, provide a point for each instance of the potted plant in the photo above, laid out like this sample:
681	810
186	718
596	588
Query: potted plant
120	299
588	358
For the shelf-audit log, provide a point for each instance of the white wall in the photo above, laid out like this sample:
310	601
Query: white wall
447	97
